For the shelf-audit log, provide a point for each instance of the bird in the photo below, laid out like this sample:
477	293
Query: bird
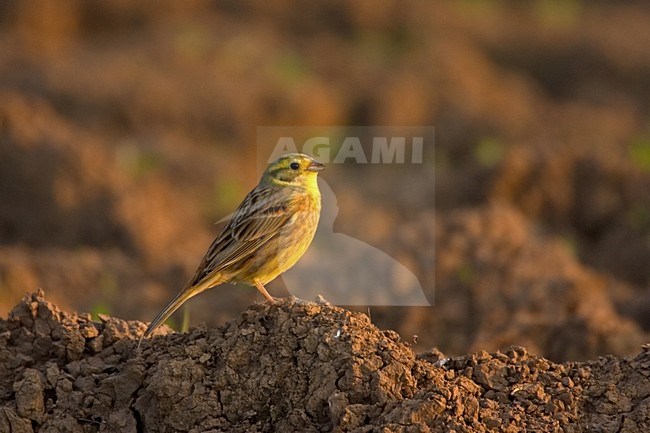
267	234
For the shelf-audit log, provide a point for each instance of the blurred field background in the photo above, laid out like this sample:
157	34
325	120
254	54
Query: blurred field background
127	129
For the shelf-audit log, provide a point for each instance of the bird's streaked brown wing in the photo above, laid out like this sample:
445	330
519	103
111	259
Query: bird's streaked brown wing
258	219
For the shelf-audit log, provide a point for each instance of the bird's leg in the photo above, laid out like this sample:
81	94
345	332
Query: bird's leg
263	291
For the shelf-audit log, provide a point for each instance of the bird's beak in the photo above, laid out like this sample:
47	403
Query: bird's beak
315	166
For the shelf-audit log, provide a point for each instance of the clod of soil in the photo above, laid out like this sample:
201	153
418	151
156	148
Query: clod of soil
293	366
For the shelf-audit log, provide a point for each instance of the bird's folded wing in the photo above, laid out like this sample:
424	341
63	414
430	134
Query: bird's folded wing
258	219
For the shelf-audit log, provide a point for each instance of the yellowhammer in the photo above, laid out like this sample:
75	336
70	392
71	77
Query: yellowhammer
270	230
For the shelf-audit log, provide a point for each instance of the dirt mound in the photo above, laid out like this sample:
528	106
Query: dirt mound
499	281
293	366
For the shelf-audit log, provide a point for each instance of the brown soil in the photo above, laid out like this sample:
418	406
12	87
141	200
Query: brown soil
294	366
499	282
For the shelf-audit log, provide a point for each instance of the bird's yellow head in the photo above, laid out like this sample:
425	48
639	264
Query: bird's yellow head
295	169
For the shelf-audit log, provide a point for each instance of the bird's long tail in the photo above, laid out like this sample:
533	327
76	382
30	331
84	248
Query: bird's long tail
173	305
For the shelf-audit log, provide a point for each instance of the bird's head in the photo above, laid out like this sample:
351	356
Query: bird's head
293	169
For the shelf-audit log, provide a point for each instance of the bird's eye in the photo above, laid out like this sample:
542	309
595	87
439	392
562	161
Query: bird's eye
294	166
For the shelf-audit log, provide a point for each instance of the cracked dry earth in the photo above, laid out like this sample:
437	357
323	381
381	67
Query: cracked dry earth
294	366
